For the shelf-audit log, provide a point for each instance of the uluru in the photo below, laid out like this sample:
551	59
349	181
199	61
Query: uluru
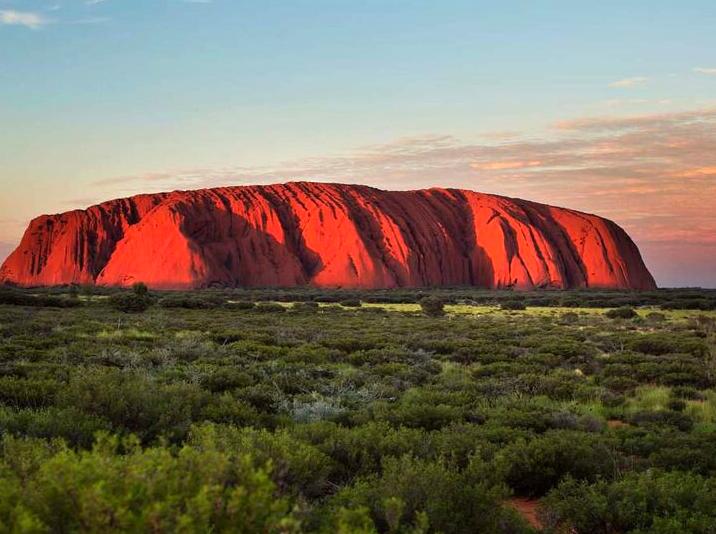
326	235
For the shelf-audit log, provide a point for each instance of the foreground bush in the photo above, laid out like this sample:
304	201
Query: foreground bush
133	402
534	467
654	501
120	487
297	467
422	496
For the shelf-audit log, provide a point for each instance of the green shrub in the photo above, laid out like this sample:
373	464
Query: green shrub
412	493
358	450
131	302
21	298
27	393
296	465
641	502
120	487
625	312
536	466
432	306
350	303
226	409
135	403
192	302
423	415
77	428
227	378
664	417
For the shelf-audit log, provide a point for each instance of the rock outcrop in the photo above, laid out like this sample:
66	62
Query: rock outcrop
330	235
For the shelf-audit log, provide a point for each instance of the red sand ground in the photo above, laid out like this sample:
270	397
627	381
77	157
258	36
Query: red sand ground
527	508
616	423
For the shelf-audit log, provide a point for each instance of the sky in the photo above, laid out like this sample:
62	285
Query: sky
605	107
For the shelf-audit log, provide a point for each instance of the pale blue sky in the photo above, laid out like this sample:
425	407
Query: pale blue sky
94	91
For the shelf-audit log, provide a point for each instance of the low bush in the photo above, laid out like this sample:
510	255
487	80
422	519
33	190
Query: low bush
662	418
21	298
625	312
653	501
414	495
135	403
192	302
432	306
136	301
120	487
76	428
296	466
534	467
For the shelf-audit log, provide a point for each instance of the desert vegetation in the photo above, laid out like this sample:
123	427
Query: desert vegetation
306	410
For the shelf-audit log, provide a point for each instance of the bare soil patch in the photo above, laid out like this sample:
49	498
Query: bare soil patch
527	508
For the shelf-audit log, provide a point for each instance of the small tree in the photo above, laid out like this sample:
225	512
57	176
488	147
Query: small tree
432	306
135	302
140	289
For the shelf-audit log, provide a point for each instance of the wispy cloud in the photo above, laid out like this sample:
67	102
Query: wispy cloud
28	19
504	165
706	70
94	2
629	82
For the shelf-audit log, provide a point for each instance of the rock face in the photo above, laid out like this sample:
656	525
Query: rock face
328	235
